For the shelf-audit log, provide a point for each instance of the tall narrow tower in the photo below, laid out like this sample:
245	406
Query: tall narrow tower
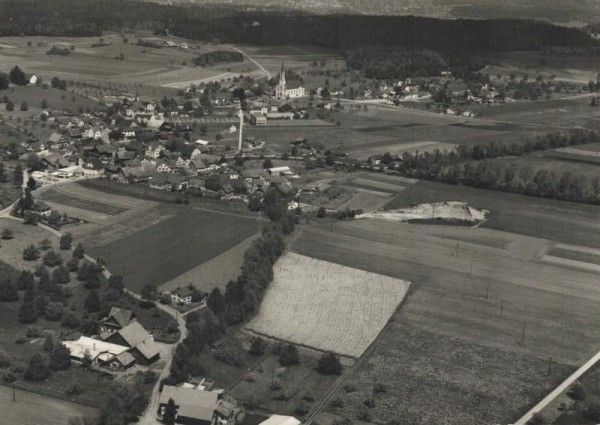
241	130
281	86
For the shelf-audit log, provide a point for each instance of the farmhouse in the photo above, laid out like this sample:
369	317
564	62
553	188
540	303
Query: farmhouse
194	407
138	339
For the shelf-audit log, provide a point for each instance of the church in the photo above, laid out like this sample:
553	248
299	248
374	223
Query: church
282	92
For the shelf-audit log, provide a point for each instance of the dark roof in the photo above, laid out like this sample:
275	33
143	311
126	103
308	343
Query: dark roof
134	334
183	292
121	316
192	403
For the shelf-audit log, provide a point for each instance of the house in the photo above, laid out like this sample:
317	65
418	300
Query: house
201	142
41	208
33	79
165	167
55	138
134	336
261	121
232	129
154	150
181	295
74	132
160	182
55	160
92	168
197	165
121	362
117	319
194	407
98	351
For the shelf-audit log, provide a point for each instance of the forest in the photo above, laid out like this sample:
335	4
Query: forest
218	56
59	18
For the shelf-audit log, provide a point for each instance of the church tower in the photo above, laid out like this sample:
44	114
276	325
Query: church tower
281	86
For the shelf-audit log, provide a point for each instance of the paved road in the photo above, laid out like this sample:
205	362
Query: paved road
558	390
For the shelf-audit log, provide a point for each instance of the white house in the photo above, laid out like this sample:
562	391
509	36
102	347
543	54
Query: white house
33	80
154	150
99	351
181	295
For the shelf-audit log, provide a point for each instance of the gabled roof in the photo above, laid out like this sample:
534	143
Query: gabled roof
192	403
183	292
147	349
120	316
55	138
125	358
281	420
134	334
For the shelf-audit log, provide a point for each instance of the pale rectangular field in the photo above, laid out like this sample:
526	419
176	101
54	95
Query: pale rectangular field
327	306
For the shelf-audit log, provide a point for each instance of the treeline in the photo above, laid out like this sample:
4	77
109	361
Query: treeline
218	56
386	63
480	166
223	23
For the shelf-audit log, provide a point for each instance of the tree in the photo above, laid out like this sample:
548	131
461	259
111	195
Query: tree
52	259
31	253
73	265
203	129
216	301
257	347
78	252
45	244
92	303
25	280
149	292
115	282
267	163
54	218
7	234
576	392
170	413
17	77
59	358
10	106
66	241
24	106
8	292
289	355
48	343
4	81
329	364
54	311
38	369
322	212
18	175
44	104
60	275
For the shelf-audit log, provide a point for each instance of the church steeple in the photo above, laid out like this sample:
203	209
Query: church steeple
282	74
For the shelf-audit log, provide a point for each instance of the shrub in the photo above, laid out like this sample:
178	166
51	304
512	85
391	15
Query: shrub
74	388
54	311
31	253
369	402
227	357
289	355
364	415
329	364
21	339
349	388
38	369
7	234
5	360
257	347
70	321
380	388
33	332
308	397
18	367
8	378
52	259
302	409
45	244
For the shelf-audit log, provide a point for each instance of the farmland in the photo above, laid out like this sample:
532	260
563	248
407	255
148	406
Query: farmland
324	301
33	409
491	295
159	253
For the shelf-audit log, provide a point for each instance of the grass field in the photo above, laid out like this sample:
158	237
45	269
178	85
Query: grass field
60	197
325	303
165	250
34	409
486	294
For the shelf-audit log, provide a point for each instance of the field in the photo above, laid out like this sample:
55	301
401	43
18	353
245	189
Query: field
492	296
163	251
560	221
325	304
33	409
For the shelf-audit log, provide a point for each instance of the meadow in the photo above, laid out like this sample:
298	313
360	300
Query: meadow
485	293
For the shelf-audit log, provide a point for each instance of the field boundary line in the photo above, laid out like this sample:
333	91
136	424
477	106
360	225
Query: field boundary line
558	390
39	394
363	358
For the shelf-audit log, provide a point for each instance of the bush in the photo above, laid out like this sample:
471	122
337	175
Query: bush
302	409
8	378
18	367
7	234
257	347
70	321
227	357
33	332
54	311
308	397
337	403
21	339
52	259
31	253
329	364
289	355
369	402
380	388
5	360
349	388
74	388
364	415
38	369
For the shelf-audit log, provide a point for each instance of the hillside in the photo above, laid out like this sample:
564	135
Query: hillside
576	13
